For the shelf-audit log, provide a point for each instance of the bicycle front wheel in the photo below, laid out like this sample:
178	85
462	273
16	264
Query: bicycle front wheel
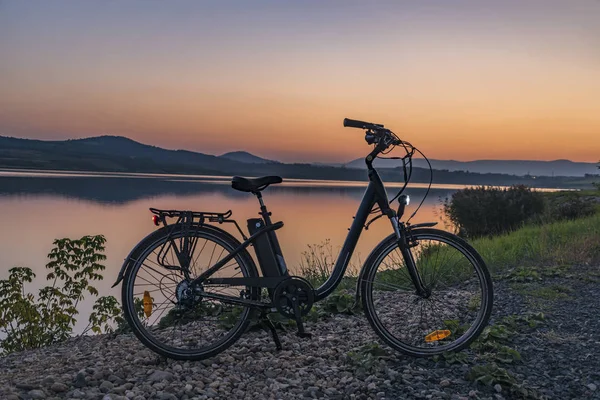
167	312
455	309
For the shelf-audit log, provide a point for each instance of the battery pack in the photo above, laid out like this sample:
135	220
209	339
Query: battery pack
263	248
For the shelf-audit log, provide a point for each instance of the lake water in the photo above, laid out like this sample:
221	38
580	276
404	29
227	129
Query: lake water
38	207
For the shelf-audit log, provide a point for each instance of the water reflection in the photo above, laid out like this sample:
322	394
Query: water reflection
37	210
122	190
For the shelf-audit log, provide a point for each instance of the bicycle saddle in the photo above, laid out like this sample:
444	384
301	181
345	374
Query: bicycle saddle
255	184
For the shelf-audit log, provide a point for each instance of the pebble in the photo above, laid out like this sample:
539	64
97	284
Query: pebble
59	387
36	394
159	376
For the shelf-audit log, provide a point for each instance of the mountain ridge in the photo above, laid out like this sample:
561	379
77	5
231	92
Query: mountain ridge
121	154
559	167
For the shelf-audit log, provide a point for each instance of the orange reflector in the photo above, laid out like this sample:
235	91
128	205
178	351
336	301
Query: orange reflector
147	304
437	335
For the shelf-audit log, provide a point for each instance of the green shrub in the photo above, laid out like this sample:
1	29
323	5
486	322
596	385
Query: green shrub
569	206
27	322
486	211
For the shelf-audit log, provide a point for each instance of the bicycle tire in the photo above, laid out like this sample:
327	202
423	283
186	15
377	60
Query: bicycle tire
369	274
145	248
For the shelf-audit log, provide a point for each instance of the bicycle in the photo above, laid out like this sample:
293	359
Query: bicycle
210	296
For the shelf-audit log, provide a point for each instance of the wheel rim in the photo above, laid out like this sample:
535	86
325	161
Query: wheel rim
182	322
443	321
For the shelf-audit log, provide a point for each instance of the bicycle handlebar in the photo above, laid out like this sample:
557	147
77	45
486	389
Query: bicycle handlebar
376	132
353	123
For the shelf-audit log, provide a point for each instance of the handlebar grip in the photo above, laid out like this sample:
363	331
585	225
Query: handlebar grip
353	123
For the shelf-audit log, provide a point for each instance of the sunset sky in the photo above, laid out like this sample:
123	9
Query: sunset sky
459	79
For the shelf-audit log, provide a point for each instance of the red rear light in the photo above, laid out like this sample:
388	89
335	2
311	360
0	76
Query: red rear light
155	220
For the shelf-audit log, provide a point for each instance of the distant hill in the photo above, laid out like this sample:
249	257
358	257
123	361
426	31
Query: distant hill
104	153
120	154
510	167
245	157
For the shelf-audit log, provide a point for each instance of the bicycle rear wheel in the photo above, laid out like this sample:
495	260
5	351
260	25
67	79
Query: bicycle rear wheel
170	316
454	313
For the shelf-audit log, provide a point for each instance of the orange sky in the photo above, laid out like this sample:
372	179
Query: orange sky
471	80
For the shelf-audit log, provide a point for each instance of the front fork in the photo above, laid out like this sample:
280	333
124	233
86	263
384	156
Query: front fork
403	239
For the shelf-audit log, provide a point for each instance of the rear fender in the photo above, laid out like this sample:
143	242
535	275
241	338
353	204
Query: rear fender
139	248
133	255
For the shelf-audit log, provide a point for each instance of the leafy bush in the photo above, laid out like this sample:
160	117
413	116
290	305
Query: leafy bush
27	322
570	206
367	357
486	211
340	303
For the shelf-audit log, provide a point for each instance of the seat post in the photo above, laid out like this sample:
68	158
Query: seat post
263	209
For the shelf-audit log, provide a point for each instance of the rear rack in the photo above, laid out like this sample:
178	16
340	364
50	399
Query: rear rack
188	218
201	215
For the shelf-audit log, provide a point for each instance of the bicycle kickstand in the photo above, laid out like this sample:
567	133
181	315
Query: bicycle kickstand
269	324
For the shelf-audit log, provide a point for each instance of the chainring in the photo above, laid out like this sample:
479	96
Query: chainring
290	290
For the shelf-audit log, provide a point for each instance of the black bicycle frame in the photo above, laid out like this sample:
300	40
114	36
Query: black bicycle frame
375	194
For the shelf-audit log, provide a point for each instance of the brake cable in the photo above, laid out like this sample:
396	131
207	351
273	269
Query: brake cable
407	172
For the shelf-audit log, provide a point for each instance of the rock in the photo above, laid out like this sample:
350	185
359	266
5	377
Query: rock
26	386
80	380
106	386
592	387
47	381
270	373
114	397
36	394
59	387
498	388
159	376
444	383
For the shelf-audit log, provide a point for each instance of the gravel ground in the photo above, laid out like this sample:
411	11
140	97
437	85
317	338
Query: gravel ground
559	360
